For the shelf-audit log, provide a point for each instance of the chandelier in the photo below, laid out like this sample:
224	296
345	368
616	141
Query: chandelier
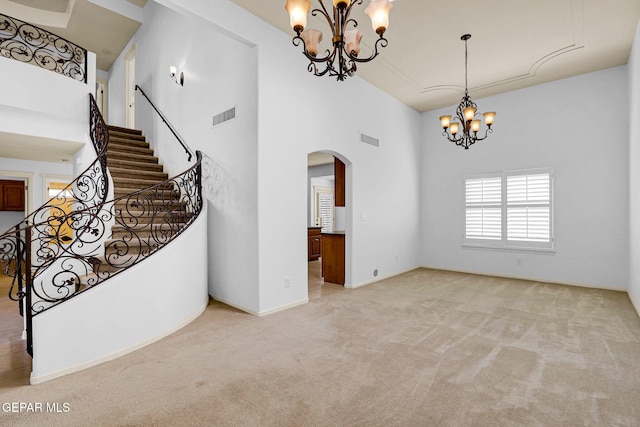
341	60
466	114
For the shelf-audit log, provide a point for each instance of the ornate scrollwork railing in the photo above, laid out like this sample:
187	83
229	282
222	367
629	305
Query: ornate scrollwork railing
113	237
88	190
28	43
21	255
60	251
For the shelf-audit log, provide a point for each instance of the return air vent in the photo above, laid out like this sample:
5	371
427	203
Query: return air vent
369	140
225	116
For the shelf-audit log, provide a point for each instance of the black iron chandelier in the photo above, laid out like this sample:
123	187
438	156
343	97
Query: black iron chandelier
340	61
466	114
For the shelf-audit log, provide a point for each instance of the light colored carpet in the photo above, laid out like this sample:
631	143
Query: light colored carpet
427	348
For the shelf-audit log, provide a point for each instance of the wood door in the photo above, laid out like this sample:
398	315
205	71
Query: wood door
12	194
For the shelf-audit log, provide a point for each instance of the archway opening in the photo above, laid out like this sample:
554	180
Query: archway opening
327	225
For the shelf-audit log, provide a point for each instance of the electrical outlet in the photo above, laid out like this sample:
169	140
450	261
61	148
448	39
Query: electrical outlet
287	282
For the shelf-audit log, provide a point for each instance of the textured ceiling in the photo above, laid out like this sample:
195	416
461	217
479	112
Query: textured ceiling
514	44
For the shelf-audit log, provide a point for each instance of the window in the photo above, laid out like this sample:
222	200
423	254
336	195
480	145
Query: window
509	210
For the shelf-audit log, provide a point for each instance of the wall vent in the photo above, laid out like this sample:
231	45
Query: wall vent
225	116
369	140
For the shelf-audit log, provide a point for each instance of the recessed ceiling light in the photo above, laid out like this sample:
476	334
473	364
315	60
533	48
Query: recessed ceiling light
107	52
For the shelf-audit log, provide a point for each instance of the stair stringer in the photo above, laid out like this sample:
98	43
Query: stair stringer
119	317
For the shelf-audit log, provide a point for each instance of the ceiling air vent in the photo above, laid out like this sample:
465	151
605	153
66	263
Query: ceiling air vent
369	140
225	116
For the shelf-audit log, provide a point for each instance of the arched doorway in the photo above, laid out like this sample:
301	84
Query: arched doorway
327	223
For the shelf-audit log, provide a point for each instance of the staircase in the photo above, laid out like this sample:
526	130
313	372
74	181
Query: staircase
145	217
131	162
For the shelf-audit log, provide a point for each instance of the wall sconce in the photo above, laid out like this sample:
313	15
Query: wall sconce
173	71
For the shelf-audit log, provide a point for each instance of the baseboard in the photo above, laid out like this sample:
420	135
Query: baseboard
377	279
262	313
634	303
284	307
531	279
231	304
43	378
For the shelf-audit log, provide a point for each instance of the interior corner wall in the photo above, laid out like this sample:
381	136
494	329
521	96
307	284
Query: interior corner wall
577	126
382	182
299	113
220	73
634	172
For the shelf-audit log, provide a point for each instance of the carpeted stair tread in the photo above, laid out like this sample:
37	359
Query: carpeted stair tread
134	183
120	155
131	164
119	129
119	229
129	142
123	148
138	174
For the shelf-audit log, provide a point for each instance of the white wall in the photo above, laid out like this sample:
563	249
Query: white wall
42	103
297	115
634	173
71	337
220	73
260	231
8	219
578	126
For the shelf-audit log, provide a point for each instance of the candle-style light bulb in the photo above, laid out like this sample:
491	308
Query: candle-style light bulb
378	11
298	10
469	113
489	118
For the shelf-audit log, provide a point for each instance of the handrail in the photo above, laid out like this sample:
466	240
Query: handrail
143	222
62	254
166	122
28	43
20	250
89	189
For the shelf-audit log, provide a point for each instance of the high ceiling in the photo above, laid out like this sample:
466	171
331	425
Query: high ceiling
514	44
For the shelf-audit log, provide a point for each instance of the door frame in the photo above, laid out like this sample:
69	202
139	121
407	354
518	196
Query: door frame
28	186
130	87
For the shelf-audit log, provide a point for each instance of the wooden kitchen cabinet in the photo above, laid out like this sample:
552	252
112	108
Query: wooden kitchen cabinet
11	195
333	257
315	243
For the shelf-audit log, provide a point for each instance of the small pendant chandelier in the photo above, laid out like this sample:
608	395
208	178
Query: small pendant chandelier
466	113
341	60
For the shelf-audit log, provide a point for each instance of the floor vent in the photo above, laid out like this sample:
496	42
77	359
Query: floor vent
369	140
224	117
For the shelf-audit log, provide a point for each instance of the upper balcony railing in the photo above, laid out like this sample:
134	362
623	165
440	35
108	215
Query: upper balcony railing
28	43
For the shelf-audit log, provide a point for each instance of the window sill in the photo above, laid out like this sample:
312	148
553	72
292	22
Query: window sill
546	251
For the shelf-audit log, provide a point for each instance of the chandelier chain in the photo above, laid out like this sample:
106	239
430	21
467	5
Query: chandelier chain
464	125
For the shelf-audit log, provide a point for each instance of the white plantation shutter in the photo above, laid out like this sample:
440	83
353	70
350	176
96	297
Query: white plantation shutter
325	201
529	207
483	208
510	209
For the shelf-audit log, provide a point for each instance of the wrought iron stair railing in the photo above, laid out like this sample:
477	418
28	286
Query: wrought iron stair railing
30	44
54	256
52	224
